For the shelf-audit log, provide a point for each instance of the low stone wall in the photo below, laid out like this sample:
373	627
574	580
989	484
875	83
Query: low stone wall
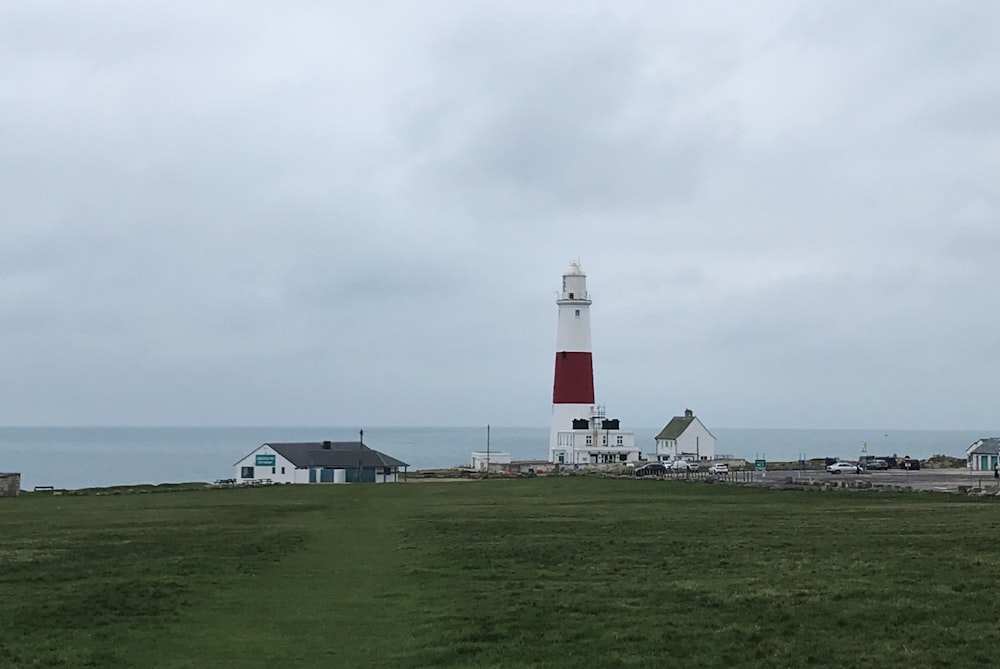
814	483
10	485
954	484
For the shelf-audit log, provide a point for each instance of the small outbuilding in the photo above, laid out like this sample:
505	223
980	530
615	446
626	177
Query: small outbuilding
984	454
318	462
684	438
10	484
482	460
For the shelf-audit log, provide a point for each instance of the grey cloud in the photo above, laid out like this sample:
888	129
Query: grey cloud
539	123
310	214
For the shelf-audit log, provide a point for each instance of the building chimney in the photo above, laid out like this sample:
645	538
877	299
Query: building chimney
688	413
327	445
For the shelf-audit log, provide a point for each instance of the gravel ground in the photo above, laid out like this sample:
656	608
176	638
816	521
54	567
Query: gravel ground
941	480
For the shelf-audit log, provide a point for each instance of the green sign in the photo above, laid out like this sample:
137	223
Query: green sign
758	465
265	461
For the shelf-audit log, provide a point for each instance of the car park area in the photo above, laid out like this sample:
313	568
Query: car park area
939	480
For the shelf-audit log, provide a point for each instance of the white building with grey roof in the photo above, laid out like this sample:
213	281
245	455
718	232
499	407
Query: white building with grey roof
984	454
318	462
684	438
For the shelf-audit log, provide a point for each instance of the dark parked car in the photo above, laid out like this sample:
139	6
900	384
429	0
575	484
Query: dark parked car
908	463
891	461
876	464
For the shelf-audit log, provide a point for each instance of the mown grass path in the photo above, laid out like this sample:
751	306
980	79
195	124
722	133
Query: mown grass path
524	573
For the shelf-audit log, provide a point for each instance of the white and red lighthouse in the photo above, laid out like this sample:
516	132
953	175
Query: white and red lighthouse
573	386
580	432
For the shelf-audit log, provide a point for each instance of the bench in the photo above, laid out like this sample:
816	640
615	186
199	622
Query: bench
44	488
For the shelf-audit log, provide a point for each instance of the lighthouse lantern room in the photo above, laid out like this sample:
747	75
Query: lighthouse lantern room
581	433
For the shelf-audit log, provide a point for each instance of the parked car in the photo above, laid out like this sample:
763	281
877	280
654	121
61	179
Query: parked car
719	468
650	469
843	468
681	466
876	464
909	463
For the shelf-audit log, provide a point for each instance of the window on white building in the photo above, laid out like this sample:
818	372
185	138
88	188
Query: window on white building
621	440
246	472
590	440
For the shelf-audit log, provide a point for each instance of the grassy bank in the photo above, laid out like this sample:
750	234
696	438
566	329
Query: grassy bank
537	572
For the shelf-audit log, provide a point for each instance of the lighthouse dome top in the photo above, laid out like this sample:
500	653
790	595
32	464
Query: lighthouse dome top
574	289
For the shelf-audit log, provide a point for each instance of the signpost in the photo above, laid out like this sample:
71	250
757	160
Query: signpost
759	465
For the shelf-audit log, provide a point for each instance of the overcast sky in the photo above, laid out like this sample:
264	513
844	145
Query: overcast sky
347	213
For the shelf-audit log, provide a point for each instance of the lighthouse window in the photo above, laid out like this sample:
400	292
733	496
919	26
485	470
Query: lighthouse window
619	440
571	296
590	440
577	313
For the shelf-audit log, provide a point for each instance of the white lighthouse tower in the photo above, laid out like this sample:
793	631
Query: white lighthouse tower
580	434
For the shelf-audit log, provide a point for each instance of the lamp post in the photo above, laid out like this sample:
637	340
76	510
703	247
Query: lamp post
361	452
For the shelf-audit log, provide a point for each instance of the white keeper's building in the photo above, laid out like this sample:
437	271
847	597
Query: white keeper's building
594	440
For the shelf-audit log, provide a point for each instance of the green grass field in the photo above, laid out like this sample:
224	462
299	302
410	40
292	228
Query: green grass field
567	572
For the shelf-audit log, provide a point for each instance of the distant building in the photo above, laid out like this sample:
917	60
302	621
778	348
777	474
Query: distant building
10	485
528	467
482	459
594	440
318	462
684	438
984	454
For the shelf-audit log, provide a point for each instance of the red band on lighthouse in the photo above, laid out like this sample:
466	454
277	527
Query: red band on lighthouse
574	378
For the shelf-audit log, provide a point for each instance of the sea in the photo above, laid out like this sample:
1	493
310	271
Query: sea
84	457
